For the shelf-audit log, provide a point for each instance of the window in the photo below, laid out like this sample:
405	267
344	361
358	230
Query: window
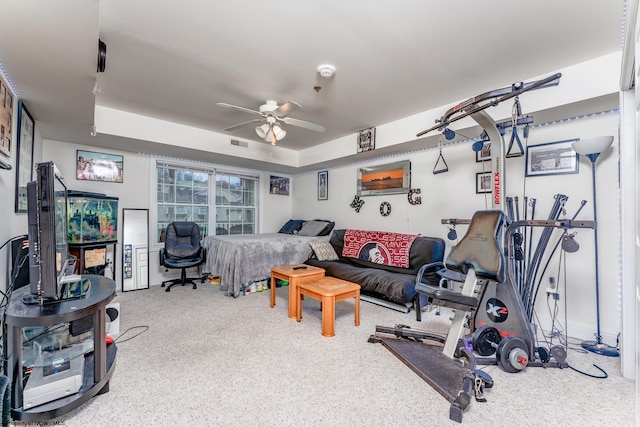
235	204
182	195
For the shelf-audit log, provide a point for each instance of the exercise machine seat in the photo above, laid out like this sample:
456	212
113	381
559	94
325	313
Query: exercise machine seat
479	249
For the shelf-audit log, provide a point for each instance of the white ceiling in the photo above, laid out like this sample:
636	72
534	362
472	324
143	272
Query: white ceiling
174	60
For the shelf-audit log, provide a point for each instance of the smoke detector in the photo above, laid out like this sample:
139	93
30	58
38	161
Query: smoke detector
326	70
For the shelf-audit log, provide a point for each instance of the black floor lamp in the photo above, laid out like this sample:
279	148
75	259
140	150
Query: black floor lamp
592	148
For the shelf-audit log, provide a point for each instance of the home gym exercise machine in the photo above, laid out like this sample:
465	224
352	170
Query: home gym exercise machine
485	295
489	306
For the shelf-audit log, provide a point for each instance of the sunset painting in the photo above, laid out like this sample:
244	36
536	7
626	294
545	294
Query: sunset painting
385	179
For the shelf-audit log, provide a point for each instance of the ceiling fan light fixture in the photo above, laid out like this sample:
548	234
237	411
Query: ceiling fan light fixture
262	130
270	136
278	132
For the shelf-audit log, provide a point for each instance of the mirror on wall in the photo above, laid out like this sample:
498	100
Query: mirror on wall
135	249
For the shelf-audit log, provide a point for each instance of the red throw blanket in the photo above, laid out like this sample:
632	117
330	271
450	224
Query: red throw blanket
380	247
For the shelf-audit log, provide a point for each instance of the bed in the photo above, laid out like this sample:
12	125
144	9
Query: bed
241	259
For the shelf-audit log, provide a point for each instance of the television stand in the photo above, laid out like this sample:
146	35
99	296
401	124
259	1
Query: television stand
75	287
99	365
30	299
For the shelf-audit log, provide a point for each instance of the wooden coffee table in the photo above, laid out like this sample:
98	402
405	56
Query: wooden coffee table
293	275
328	290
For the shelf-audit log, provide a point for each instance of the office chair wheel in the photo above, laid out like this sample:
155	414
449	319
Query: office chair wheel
195	286
167	290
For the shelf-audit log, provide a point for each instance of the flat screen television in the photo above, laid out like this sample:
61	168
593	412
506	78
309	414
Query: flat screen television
47	227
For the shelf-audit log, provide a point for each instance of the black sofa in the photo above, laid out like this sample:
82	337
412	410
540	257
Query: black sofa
387	283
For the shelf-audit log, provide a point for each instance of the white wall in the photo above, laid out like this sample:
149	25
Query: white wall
137	191
452	195
132	193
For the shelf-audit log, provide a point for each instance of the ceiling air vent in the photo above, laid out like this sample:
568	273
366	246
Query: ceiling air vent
239	143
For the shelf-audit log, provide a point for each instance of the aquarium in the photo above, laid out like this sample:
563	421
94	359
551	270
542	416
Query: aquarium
93	217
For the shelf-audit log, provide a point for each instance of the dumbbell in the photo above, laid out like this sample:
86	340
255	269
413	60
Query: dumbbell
511	353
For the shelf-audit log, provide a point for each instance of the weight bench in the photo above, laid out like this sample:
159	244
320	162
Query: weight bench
477	256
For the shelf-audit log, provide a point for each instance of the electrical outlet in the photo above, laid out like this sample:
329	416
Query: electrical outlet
553	287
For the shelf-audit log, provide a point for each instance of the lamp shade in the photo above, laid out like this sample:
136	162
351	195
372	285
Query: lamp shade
279	132
595	145
262	130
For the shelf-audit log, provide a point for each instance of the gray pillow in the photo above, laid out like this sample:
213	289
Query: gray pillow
312	228
323	250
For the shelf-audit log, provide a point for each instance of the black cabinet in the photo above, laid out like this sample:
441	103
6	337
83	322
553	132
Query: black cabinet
90	259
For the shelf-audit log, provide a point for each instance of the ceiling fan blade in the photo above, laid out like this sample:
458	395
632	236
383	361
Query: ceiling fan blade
286	108
239	125
222	104
303	124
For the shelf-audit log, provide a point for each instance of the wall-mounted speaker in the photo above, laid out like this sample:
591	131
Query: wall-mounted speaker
102	56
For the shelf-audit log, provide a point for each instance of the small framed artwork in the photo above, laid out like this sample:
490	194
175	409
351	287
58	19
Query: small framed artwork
92	166
24	161
367	140
483	182
323	185
6	111
279	185
553	158
484	154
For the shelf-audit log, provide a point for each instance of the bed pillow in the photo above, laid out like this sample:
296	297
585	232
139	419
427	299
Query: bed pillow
291	226
312	228
323	250
327	229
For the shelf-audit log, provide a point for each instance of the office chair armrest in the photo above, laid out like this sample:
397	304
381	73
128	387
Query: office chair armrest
162	255
429	269
204	254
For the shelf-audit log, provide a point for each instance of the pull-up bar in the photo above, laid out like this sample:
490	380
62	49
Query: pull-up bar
500	94
477	112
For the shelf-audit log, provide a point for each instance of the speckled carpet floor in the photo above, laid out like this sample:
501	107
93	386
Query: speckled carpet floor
212	360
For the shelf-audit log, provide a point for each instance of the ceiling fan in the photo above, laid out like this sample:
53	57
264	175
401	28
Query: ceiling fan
272	114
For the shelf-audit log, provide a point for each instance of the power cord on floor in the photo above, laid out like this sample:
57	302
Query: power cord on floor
120	341
604	373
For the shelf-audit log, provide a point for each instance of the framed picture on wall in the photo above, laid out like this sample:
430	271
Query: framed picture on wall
553	158
484	154
367	140
279	185
392	178
6	112
483	182
24	161
323	185
92	166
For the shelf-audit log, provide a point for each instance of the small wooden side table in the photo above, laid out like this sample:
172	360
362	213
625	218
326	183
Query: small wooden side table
329	290
294	276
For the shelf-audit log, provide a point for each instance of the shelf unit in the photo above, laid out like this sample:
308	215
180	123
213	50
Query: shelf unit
80	249
98	364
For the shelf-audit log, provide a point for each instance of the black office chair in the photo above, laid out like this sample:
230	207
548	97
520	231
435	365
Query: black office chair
182	250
